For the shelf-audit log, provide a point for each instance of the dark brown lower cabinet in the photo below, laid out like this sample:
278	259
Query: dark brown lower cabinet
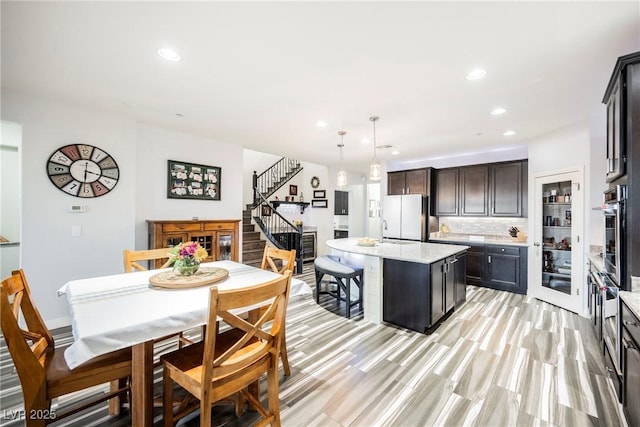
630	365
416	296
501	267
631	380
460	278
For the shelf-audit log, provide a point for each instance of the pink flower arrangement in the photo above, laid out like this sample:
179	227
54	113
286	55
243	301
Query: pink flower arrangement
187	254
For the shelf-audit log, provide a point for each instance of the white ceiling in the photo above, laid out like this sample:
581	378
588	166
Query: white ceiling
261	74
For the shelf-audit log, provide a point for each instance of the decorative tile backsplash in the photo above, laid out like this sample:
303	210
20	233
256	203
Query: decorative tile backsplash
483	226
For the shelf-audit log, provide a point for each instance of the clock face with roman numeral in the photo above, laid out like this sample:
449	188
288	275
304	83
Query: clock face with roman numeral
83	170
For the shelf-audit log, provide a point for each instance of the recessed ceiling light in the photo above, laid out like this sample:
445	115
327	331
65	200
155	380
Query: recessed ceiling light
365	141
509	133
321	124
498	111
168	54
395	152
476	74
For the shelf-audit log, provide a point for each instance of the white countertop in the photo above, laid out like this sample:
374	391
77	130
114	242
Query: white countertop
421	252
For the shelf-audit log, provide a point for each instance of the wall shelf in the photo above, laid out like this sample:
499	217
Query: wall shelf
302	205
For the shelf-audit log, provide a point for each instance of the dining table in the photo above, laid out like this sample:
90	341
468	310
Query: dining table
109	313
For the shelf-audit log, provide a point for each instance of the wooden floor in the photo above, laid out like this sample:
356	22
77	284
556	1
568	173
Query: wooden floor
501	360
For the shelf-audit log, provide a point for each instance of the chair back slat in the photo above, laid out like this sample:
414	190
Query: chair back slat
271	254
15	302
255	343
131	258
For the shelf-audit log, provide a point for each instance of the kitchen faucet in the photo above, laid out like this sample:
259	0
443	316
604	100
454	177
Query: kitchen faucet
383	226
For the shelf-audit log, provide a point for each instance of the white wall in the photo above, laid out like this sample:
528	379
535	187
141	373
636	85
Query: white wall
559	150
49	254
10	194
154	147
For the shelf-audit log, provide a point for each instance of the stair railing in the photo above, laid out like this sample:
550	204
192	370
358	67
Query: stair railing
274	177
277	229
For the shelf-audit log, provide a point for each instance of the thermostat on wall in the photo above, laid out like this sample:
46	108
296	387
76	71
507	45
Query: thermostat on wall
76	208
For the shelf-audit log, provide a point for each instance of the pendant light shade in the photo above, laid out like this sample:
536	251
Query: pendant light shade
342	174
375	169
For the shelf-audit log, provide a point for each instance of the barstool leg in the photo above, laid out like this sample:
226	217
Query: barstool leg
347	299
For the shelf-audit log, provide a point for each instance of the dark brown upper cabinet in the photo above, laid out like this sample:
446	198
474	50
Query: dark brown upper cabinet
416	181
474	190
494	189
508	193
447	183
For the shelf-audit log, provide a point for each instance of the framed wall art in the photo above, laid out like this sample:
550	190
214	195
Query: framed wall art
319	194
321	203
293	190
193	181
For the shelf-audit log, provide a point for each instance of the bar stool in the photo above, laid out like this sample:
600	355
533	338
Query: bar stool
342	274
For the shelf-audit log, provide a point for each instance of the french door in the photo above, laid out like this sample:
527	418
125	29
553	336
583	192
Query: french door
558	238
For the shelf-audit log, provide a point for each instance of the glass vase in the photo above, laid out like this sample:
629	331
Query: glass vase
187	269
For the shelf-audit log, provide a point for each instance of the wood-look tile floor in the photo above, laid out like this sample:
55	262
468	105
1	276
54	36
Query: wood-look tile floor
500	360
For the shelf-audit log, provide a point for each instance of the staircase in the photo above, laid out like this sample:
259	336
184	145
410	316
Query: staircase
263	214
252	243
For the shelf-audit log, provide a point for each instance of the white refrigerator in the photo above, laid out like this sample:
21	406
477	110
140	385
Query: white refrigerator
407	217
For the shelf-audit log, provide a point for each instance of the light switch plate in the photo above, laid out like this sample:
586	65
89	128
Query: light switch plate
76	230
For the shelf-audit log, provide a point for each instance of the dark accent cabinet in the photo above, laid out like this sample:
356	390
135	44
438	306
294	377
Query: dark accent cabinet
341	202
340	234
447	183
415	181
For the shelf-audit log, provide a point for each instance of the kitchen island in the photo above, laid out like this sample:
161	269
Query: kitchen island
410	284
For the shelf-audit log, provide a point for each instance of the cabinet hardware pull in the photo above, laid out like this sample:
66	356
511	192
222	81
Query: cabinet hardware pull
536	243
489	259
629	323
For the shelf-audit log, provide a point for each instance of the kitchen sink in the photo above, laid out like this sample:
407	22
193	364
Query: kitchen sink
398	242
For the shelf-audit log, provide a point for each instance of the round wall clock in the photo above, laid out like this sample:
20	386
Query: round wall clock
83	170
315	182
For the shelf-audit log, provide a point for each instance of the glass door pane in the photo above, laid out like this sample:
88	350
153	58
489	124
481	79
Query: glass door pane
556	236
224	246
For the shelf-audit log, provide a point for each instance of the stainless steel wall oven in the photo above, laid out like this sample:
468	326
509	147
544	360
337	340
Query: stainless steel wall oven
614	234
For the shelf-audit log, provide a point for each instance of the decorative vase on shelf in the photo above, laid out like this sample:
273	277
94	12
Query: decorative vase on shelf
184	269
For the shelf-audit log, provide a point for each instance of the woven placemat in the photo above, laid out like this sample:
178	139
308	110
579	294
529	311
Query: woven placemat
204	276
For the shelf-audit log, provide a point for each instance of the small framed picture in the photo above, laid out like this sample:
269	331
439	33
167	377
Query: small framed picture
293	190
266	210
319	194
319	203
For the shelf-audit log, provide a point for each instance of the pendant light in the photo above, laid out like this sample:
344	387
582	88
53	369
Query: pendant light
375	169
342	174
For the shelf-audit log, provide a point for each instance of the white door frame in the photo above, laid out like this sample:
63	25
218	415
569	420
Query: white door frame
575	301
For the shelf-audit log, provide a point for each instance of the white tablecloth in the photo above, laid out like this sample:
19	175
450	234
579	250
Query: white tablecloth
113	312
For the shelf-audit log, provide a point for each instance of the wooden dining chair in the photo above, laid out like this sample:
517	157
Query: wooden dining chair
231	361
286	259
42	370
131	258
